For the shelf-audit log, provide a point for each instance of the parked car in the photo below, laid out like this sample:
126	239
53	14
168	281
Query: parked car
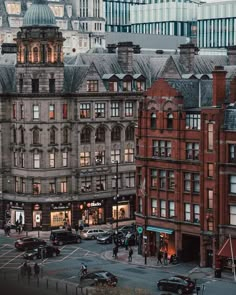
28	243
177	284
127	228
101	277
91	233
45	251
131	239
62	236
105	238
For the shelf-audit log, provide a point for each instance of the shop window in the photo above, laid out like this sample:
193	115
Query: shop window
196	213
85	136
123	211
63	186
65	159
85	159
163	208
129	133
52	160
51	111
140	205
100	134
129	155
35	112
36	136
210	199
92	85
116	133
154	207
153	121
13	111
100	158
85	110
169	121
232	217
193	121
86	184
52	87
187	212
64	111
101	183
115	156
210	170
115	109
52	136
130	180
36	187
129	109
210	137
35	85
36	161
99	110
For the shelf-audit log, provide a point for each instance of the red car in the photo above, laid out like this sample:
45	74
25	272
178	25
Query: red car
28	243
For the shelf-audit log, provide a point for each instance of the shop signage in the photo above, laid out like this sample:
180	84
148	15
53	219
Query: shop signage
95	204
140	229
36	207
60	206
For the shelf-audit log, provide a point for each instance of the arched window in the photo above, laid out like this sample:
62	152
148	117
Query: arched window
14	135
129	133
115	133
35	54
49	54
52	136
22	136
65	135
170	121
100	134
85	136
36	136
153	122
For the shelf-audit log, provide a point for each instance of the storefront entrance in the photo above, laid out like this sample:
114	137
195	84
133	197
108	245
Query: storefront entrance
92	213
60	215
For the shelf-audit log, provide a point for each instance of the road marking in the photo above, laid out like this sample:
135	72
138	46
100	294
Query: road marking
10	260
6	253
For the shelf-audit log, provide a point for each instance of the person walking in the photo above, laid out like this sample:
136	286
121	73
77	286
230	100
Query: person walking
159	257
115	251
76	229
36	270
130	254
126	243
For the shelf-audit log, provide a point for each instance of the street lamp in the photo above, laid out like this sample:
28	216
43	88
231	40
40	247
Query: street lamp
117	195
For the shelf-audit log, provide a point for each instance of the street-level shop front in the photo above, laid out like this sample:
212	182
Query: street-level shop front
60	215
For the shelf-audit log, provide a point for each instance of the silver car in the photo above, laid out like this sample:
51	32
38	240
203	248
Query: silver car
91	233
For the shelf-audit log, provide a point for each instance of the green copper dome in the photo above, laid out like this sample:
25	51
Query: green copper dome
39	14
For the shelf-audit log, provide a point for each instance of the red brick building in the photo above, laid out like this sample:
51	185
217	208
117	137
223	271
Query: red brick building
186	166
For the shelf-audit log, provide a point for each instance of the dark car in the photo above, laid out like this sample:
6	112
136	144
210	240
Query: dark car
42	252
61	237
177	284
27	243
105	238
131	239
100	277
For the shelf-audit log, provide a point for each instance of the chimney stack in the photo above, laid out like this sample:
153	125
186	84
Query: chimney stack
187	53
137	49
231	52
125	56
233	90
219	86
111	48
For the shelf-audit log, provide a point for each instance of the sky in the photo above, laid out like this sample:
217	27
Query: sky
209	1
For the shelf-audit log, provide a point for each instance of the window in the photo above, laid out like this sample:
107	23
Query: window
129	133
100	158
101	183
112	86
85	159
35	85
52	160
22	160
139	176
192	151
51	111
36	187
187	182
35	112
232	217
64	111
63	185
14	135
171	180
129	109
154	207
192	182
52	136
36	136
113	181
210	137
210	170
15	159
232	184
140	205
49	54
100	134
153	174
99	110
127	85
130	179
129	155
85	135
210	224
115	109
52	86
161	148
193	121
85	110
65	135
52	187
169	121
86	183
163	208
232	153
140	85
19	185
196	183
196	213
116	133
22	136
22	111
153	122
187	212
115	155
35	54
171	209
92	85
210	199
36	161
13	111
162	179
64	159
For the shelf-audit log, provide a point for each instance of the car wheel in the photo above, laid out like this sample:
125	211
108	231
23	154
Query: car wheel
160	287
179	291
93	237
60	243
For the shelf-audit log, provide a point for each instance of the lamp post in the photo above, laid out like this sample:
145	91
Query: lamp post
117	195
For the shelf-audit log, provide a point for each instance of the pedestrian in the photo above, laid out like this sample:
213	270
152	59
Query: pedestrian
130	254
29	272
115	251
8	230
17	224
76	229
36	270
159	257
126	243
165	258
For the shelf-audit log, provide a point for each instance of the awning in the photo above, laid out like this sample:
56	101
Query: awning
160	230
226	248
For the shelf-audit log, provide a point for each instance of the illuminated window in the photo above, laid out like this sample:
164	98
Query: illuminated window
210	199
63	186
51	111
210	137
64	111
64	159
92	85
36	161
129	155
85	110
85	159
154	207
163	208
35	112
210	169
52	160
187	212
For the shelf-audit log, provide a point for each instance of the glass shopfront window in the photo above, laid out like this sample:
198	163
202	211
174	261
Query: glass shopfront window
93	215
123	211
60	218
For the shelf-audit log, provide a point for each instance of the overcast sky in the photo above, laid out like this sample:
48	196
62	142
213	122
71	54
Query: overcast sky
215	0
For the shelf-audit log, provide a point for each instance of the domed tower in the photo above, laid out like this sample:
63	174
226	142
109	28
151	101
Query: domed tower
39	52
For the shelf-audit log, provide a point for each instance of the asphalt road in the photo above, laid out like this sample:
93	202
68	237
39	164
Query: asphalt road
66	267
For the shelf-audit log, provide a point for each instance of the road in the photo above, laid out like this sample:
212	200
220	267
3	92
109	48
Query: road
67	266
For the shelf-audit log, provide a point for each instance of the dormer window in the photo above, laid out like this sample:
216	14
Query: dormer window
127	85
112	86
140	85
